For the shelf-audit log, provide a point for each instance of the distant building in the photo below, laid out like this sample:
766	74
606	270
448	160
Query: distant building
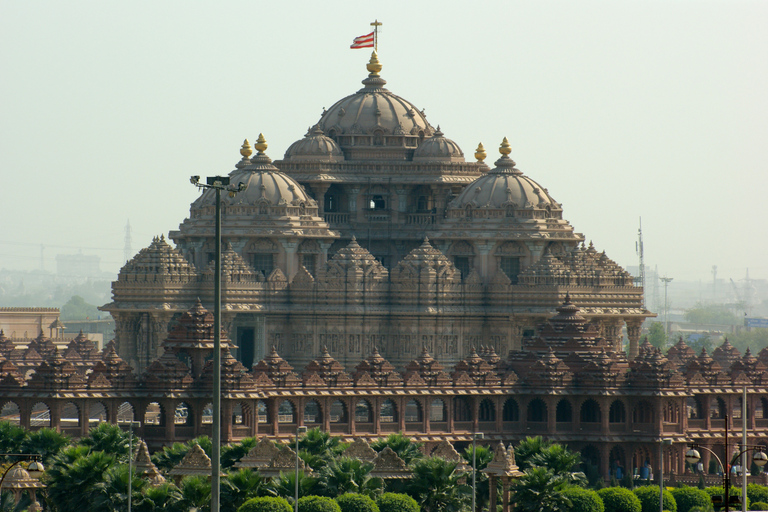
28	323
78	265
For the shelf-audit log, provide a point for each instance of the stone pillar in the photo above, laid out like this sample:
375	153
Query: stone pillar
400	414
505	494
291	264
320	189
323	256
272	407
491	492
552	416
425	427
168	409
633	333
449	412
353	211
84	413
605	462
226	424
484	264
605	412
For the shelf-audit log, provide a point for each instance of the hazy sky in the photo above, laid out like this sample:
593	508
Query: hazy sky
621	109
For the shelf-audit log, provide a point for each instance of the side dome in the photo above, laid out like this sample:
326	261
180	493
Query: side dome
315	146
438	148
505	186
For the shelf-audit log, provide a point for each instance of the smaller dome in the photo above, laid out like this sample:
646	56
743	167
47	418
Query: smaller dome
438	149
315	146
504	186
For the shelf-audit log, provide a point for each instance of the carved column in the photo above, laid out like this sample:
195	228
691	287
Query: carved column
320	189
353	212
484	265
291	258
492	492
505	494
633	333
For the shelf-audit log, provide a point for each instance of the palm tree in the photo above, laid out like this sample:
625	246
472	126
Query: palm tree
345	475
527	448
46	441
170	456
109	438
435	486
163	498
285	485
540	490
73	484
403	446
561	461
484	455
112	492
232	453
317	442
196	491
240	486
11	437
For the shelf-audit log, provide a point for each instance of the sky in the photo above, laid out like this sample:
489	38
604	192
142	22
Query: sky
621	109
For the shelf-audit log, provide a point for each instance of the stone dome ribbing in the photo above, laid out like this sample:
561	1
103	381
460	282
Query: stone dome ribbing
503	186
315	146
438	148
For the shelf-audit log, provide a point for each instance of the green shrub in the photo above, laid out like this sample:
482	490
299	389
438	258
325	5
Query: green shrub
758	505
689	497
717	490
757	492
351	502
649	499
318	504
394	502
266	504
619	499
584	500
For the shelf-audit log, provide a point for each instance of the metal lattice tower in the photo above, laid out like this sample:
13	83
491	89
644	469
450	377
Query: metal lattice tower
639	250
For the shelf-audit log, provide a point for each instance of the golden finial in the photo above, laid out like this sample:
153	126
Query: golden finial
505	148
261	144
246	149
374	65
480	153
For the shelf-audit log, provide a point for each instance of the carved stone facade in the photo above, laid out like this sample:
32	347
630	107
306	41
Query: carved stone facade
374	232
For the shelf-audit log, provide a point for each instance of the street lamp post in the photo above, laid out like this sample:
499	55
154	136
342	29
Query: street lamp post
299	431
217	184
475	437
692	456
661	472
131	424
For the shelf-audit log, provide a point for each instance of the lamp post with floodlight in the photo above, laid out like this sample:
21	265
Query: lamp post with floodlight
217	184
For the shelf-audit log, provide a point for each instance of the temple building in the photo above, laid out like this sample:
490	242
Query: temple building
374	231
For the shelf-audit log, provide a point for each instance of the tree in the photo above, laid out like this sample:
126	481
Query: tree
285	485
46	441
437	486
11	437
112	492
527	448
584	500
266	504
344	475
356	503
540	490
561	461
111	439
713	314
318	504
232	453
619	499
756	339
755	493
163	498
395	502
649	499
405	447
170	456
70	485
240	486
689	497
318	442
483	456
196	491
657	335
77	309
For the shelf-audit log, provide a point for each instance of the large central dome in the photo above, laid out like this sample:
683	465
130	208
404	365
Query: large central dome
373	116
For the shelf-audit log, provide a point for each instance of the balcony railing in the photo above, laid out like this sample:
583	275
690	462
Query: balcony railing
421	219
336	218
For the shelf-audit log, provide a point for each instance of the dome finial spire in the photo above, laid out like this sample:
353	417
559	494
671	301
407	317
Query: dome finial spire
505	148
245	150
480	153
374	65
261	144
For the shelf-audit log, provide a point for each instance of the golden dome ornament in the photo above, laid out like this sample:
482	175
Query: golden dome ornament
480	153
374	65
261	144
246	150
505	148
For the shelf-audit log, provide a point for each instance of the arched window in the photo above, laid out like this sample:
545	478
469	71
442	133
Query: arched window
413	412
154	415
241	414
182	415
308	251
617	413
437	412
70	415
262	413
564	412
363	413
487	411
339	412
511	411
207	418
97	413
11	413
286	412
537	411
462	411
388	413
590	412
643	412
693	408
261	253
717	408
312	413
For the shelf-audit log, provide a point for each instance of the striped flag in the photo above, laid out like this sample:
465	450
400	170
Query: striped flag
365	41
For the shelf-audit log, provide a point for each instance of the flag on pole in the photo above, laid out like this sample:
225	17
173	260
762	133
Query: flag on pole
365	41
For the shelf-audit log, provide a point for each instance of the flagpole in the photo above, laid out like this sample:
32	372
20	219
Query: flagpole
376	24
